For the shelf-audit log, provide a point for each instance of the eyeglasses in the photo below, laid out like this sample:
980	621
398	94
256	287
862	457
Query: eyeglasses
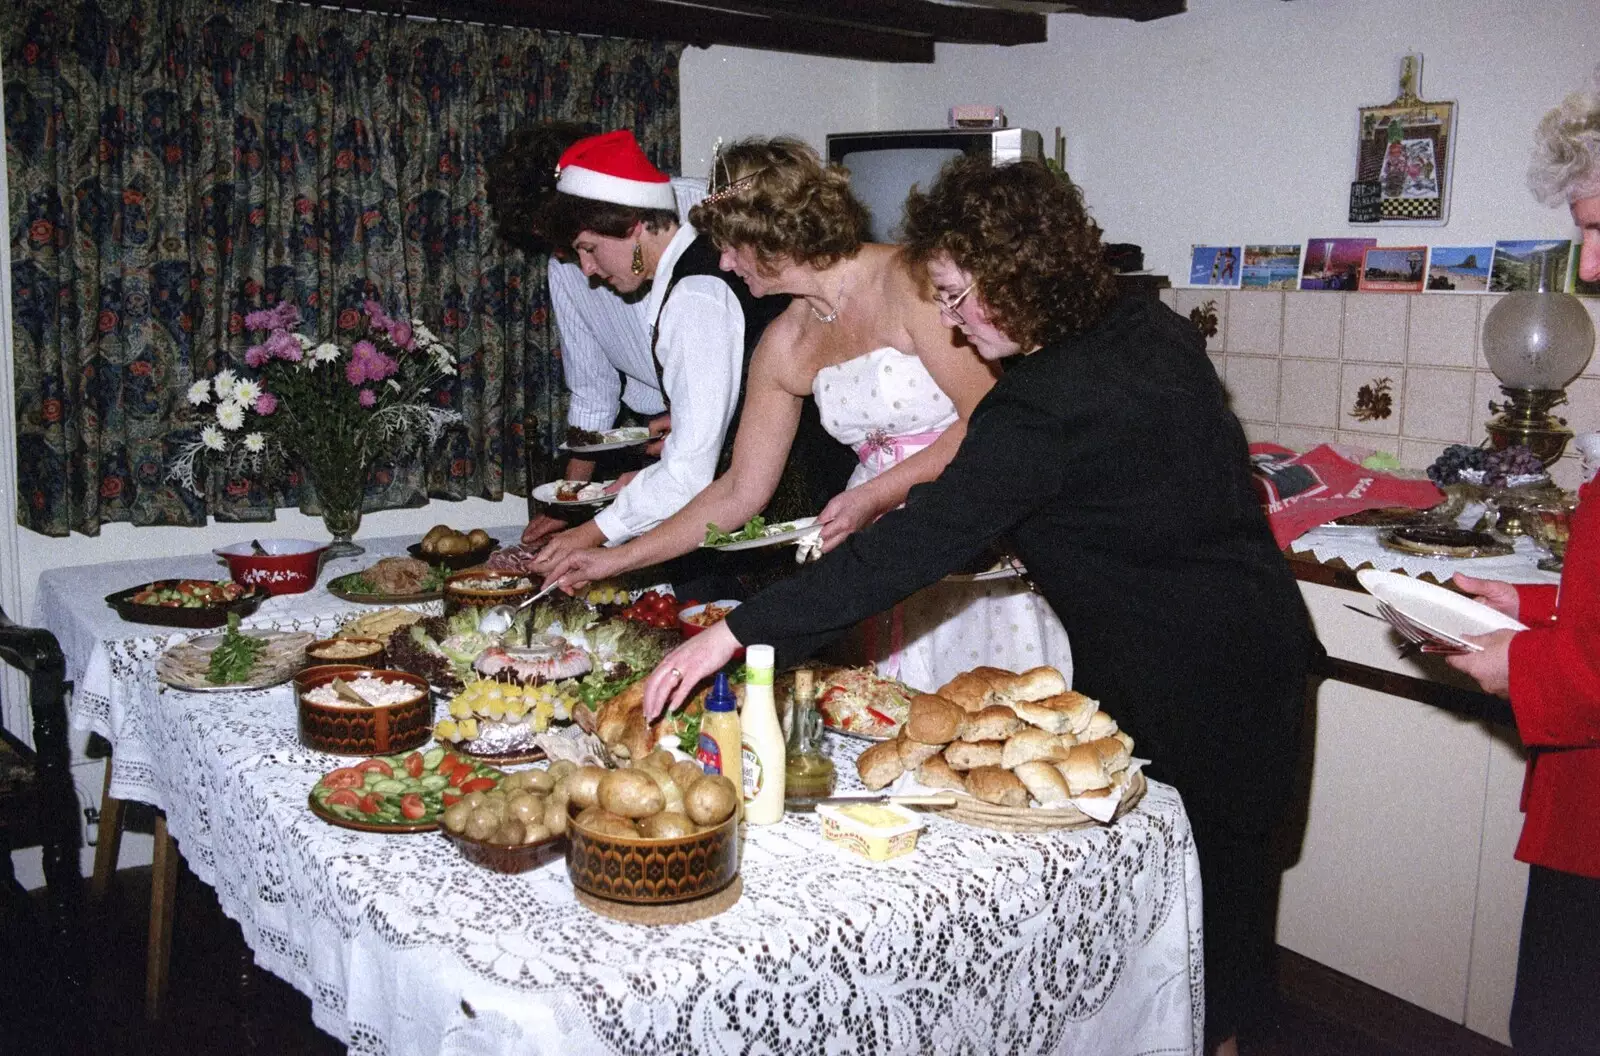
951	306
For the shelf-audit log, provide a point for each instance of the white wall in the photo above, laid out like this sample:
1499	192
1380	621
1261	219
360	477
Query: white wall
1234	121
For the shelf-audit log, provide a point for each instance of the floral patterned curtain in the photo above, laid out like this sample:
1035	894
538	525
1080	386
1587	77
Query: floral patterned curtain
174	164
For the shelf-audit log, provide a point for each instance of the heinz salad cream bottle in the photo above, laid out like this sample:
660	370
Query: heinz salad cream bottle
764	754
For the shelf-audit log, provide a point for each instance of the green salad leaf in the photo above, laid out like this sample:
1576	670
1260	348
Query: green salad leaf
754	528
232	660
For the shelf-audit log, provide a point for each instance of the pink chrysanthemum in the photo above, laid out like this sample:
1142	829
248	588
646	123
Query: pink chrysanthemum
368	398
281	344
266	403
256	355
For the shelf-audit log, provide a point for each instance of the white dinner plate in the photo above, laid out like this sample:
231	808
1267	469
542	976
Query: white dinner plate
1436	609
615	440
546	493
1009	570
796	528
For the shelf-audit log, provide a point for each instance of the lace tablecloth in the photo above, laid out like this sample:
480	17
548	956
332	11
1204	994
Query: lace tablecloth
1358	547
978	942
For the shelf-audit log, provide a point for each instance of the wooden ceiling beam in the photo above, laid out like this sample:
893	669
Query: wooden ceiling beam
945	23
680	22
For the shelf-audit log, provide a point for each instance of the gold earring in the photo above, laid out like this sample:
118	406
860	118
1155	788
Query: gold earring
638	260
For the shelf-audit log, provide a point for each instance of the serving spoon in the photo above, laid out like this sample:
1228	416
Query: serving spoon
497	619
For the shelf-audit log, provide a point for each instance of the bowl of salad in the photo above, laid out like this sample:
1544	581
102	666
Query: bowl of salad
186	602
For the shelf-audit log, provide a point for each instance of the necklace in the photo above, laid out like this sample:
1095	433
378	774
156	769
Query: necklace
838	303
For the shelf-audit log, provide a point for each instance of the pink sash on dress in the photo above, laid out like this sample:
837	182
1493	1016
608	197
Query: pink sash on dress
890	451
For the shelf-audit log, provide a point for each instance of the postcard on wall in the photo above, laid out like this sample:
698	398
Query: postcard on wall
1459	269
1404	157
1215	266
1394	269
1516	264
1271	267
1578	286
1334	263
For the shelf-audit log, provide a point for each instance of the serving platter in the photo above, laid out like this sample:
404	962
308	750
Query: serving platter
455	562
615	440
787	532
183	666
1443	542
379	599
175	616
546	493
1435	608
332	818
392	783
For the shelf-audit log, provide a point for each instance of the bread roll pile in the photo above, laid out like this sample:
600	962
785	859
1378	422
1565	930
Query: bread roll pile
1006	739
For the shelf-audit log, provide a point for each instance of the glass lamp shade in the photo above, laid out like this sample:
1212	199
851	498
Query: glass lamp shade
1538	339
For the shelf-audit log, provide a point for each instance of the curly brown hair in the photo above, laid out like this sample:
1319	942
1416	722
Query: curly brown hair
778	198
1022	232
522	181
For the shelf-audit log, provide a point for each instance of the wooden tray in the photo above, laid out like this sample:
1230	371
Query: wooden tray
1037	819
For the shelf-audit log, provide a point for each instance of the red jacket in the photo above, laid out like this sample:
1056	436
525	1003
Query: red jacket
1555	693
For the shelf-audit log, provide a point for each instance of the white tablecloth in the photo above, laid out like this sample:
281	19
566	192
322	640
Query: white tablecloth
1084	942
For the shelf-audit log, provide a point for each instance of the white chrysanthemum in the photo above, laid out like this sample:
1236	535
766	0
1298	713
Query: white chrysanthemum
305	342
211	436
199	392
394	385
245	392
326	352
420	331
225	381
230	415
255	443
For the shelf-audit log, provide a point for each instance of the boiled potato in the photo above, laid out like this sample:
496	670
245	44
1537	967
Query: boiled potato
631	794
481	824
671	795
602	821
562	768
456	815
452	545
666	825
685	772
510	833
526	808
478	539
661	759
555	814
583	787
431	540
539	781
535	833
711	800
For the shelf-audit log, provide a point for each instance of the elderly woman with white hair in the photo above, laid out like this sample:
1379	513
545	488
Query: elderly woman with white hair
1551	673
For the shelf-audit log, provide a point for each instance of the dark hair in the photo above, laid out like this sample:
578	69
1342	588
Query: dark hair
1022	232
567	215
778	198
522	181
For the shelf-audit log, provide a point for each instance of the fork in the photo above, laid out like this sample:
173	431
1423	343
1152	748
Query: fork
1418	639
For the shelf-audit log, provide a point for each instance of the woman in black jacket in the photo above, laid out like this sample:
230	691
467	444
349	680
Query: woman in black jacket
1108	454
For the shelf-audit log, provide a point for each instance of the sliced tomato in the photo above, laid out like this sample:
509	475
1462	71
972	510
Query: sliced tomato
367	765
411	806
447	765
461	775
344	777
450	798
880	716
369	803
414	764
344	797
477	784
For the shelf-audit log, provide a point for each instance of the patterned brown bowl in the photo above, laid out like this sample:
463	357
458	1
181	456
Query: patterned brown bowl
653	872
459	590
352	651
506	858
354	730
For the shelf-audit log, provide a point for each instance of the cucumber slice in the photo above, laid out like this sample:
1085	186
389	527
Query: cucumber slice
432	758
433	782
389	786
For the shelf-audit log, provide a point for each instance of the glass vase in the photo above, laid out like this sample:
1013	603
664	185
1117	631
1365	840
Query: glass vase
340	488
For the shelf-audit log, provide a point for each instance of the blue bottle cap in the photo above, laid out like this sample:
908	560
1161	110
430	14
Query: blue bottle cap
721	698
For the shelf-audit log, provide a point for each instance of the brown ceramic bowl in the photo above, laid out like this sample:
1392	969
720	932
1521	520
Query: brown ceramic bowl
349	729
506	858
464	588
353	651
653	872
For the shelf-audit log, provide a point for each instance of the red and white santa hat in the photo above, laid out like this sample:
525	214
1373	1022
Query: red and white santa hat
611	168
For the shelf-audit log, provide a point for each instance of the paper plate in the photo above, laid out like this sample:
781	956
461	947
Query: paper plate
1443	611
799	527
615	440
546	493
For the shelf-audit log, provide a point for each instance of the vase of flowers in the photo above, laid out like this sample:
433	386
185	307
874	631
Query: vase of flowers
328	410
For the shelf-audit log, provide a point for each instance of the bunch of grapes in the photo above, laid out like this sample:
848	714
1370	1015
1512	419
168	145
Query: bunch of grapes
1446	469
1511	461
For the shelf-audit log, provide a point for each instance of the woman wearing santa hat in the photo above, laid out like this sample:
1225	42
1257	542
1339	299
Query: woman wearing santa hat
618	213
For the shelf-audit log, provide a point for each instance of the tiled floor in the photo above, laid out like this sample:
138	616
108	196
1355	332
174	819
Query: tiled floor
1320	1013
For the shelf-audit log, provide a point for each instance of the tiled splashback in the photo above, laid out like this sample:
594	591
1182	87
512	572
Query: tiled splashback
1296	364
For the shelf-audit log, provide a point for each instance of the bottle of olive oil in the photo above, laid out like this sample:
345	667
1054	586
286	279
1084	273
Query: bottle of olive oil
809	775
763	762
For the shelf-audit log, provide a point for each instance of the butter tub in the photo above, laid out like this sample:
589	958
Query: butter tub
876	831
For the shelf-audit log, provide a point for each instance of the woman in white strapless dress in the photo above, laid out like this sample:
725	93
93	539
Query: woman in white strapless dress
886	406
865	339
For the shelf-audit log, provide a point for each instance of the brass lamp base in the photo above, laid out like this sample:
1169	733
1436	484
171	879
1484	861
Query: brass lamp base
1525	419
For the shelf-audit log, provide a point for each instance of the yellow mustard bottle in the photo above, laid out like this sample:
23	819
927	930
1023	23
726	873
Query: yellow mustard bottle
764	753
719	749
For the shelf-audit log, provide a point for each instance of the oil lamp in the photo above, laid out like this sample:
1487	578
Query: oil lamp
1536	342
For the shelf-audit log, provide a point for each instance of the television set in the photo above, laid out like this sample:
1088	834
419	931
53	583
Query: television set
885	165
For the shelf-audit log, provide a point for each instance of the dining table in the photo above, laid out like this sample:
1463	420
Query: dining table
979	941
